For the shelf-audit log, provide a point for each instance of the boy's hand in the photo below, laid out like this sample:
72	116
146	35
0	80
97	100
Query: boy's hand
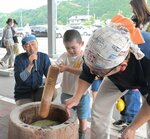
62	67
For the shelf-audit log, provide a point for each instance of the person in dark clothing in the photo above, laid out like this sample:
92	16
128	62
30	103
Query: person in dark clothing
15	38
141	18
132	106
112	52
29	68
141	14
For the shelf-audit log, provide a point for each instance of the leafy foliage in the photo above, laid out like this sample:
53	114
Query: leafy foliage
99	9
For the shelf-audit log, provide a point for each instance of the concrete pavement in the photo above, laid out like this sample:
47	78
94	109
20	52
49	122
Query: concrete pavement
7	104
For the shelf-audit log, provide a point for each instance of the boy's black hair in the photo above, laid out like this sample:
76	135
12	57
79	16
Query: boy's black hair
72	34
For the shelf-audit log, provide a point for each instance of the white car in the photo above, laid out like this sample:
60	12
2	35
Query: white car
20	32
1	32
82	29
60	30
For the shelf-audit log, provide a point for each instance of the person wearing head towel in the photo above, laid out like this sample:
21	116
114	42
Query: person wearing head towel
119	53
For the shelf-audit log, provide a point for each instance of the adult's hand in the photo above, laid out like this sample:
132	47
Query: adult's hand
32	57
71	103
128	133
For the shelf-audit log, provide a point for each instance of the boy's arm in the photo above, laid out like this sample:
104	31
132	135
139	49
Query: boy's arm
72	70
75	69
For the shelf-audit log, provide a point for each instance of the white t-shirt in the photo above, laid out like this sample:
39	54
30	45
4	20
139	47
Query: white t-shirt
70	80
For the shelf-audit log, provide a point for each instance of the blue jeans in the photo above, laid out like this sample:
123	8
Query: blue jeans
132	102
95	85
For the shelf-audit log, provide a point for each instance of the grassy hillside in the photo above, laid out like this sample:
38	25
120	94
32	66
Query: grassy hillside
99	9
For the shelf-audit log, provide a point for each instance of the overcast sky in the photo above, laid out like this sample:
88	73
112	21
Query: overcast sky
8	6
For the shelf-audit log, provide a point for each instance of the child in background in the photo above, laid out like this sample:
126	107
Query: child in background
70	63
141	18
15	38
132	107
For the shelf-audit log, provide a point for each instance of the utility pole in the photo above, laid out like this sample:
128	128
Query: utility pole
21	19
88	9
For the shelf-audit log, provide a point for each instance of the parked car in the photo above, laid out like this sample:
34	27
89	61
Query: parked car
20	32
1	32
42	30
82	29
39	30
60	30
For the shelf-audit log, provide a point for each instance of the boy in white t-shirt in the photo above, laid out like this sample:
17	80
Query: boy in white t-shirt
70	63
